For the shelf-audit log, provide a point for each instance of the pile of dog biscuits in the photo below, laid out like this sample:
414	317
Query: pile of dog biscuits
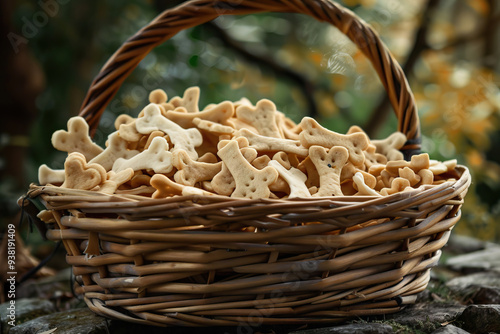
235	149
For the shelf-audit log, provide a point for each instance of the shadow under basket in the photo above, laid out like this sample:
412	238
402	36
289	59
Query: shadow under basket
221	261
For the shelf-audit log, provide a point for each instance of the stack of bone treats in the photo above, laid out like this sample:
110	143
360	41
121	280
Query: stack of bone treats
235	149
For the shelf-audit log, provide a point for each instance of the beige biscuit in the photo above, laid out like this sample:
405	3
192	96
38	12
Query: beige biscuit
438	167
208	158
399	184
218	114
189	100
47	175
426	176
294	160
207	185
329	166
261	162
362	187
158	96
268	144
375	170
390	147
117	148
315	134
156	157
242	102
417	163
238	124
123	119
387	177
262	117
114	180
288	129
76	139
128	131
355	129
223	183
369	179
372	157
182	139
306	166
191	172
282	158
210	126
348	171
250	182
168	188
410	175
294	178
81	175
242	142
140	180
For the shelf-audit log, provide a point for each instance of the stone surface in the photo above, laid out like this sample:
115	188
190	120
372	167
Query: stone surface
25	309
483	260
490	279
480	319
461	244
361	328
450	329
427	317
80	321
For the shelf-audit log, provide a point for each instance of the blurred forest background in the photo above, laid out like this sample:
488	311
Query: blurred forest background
449	49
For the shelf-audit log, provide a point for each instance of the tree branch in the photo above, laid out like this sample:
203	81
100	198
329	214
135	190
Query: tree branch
380	113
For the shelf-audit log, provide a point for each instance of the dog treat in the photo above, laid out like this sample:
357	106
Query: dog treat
237	149
156	157
115	180
76	139
117	148
81	175
262	117
329	165
218	114
315	134
182	139
190	172
295	179
250	182
268	144
210	126
189	100
362	187
166	188
158	96
47	175
390	147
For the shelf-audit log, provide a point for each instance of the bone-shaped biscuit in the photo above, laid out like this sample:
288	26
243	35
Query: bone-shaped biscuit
295	179
123	119
152	136
372	157
223	183
426	176
114	180
208	158
167	188
438	167
329	165
128	131
81	175
390	147
158	96
315	134
117	148
182	139
156	157
47	175
410	175
399	184
189	100
140	180
250	182
363	188
288	128
417	163
218	114
238	124
213	127
190	172
307	166
262	117
268	144
76	139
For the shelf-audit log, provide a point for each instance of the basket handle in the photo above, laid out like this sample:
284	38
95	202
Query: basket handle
196	12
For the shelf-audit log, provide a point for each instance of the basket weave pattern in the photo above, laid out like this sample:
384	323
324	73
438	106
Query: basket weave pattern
188	261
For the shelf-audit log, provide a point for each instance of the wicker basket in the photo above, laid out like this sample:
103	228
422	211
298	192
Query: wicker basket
184	261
